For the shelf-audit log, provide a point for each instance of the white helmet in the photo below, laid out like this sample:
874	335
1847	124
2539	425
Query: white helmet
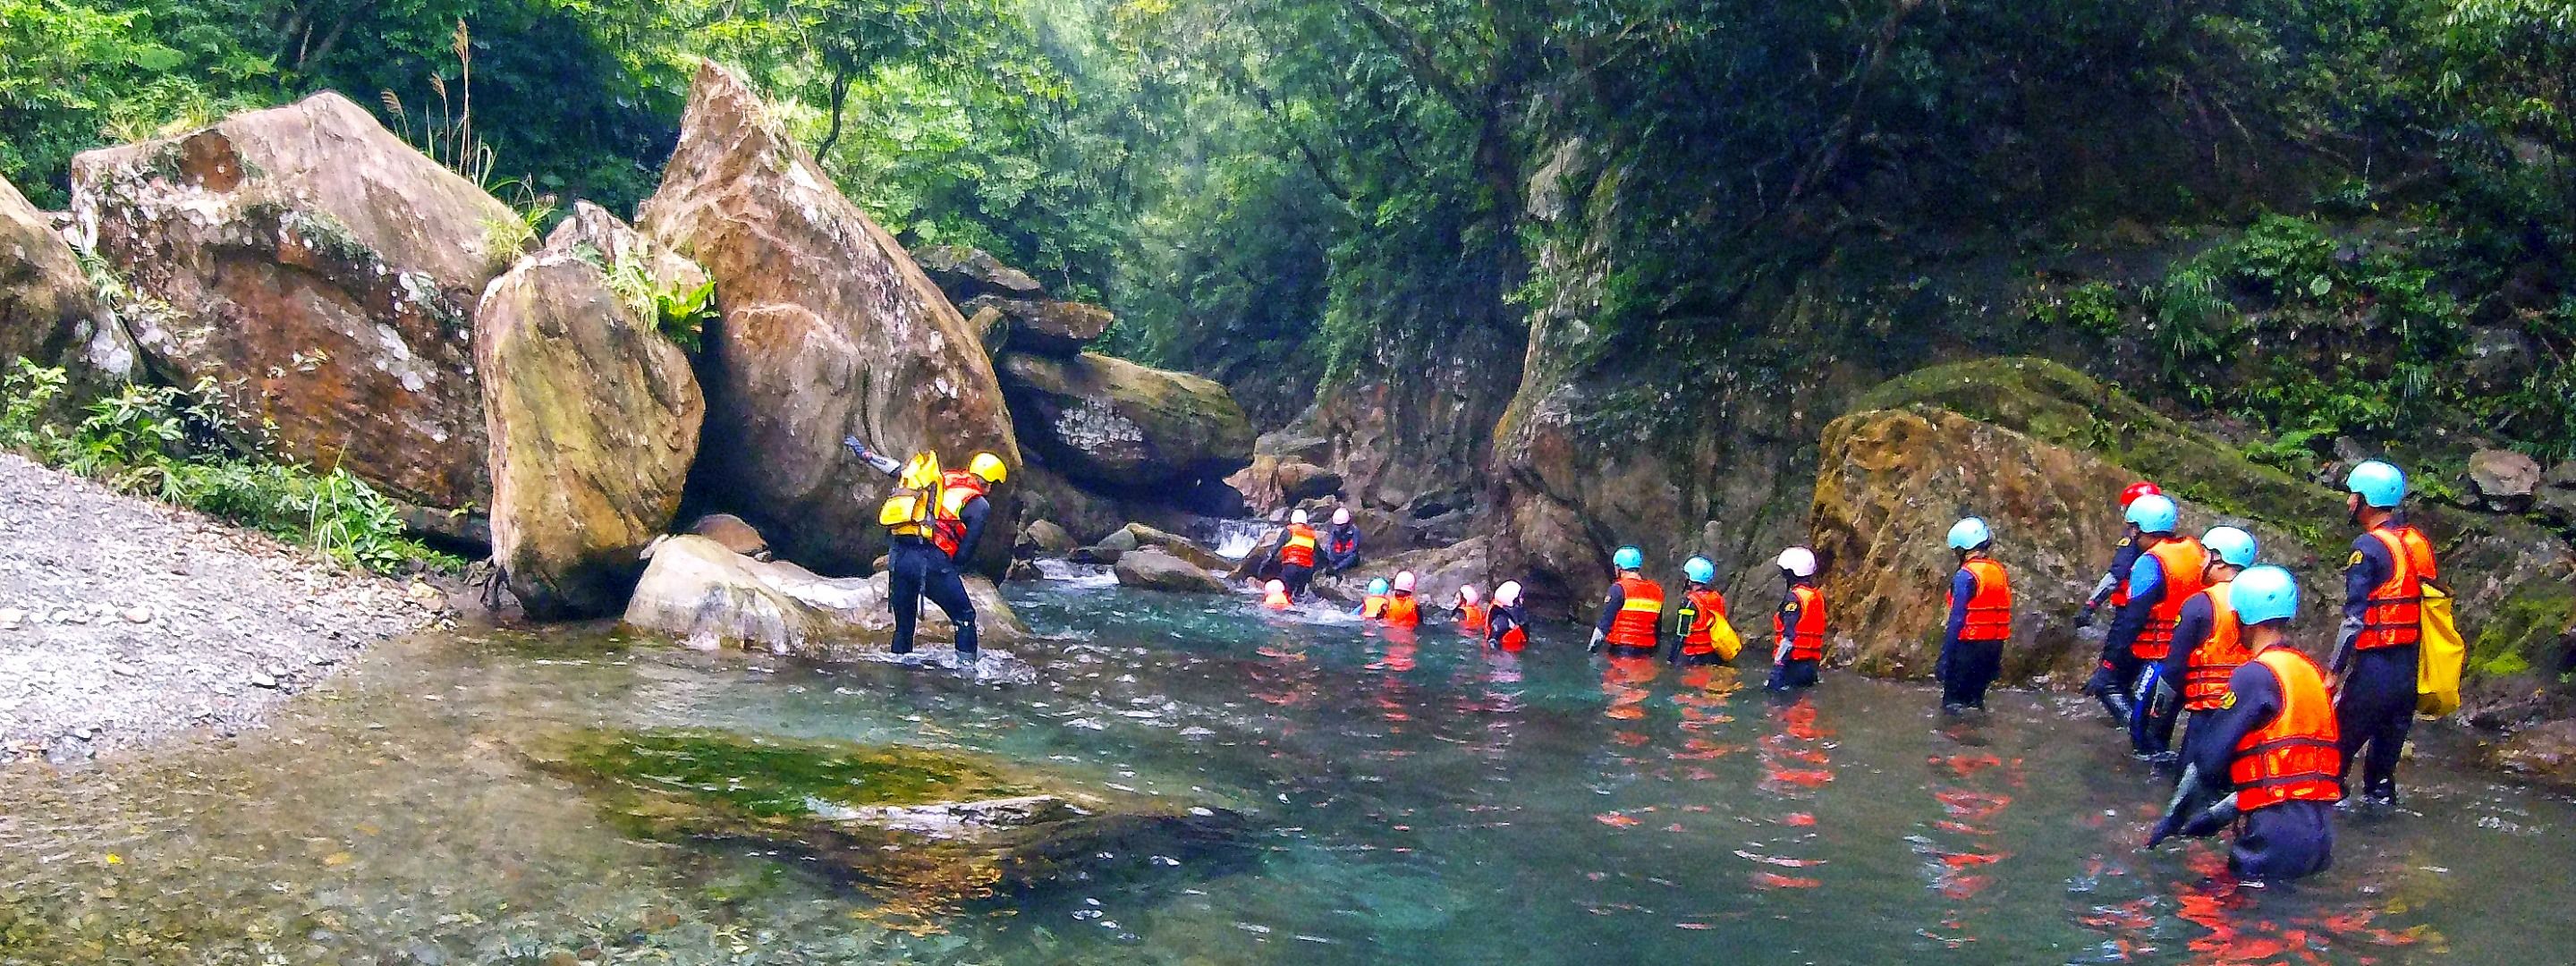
1508	594
1275	587
1468	593
1341	515
1798	561
1297	517
1404	581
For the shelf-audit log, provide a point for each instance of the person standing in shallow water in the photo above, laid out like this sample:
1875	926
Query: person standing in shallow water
1505	620
1698	621
2382	635
1798	629
936	520
2109	682
2209	642
1632	617
1296	555
2274	738
1972	640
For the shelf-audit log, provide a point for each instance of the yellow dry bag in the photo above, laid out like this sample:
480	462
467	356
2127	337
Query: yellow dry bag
1721	635
2438	658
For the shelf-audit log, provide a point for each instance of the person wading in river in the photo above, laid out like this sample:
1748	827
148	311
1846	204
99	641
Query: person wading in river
936	519
1798	628
1296	555
2209	642
1631	618
2114	589
2167	574
2274	737
1505	620
1701	635
2381	639
1972	640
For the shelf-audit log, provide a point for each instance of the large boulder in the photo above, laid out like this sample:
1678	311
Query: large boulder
1153	569
964	273
322	274
593	414
828	330
707	596
1271	481
1087	516
1045	327
1178	546
48	313
1122	427
2503	480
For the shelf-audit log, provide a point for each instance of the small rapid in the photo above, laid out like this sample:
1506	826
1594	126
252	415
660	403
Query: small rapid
1411	798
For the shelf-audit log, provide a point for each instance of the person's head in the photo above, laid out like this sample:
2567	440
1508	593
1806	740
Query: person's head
2155	515
1469	594
2130	494
1508	595
2231	550
2373	491
1699	571
1341	516
1377	587
1403	582
1296	518
2265	598
1797	564
1628	560
1970	537
989	468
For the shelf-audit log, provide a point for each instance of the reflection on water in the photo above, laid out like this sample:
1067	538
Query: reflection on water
1415	798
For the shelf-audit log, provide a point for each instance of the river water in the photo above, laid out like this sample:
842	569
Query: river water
1413	799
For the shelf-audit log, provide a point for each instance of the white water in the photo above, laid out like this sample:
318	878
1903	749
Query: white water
1233	539
1076	576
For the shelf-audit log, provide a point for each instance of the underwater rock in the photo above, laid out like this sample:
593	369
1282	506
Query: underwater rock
1122	427
1153	569
707	596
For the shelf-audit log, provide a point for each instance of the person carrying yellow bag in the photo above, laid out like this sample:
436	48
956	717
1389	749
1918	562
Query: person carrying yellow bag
1702	635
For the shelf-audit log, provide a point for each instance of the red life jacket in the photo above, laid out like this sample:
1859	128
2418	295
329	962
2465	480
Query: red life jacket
1471	617
1639	614
2296	757
2204	680
1990	608
1701	609
1807	639
1299	549
1403	611
2396	613
1513	639
2186	566
947	518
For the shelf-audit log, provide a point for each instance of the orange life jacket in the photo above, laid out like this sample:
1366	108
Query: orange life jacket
1640	612
1990	608
2186	566
1299	549
1701	609
2204	679
2295	757
1403	611
1471	617
947	520
1513	639
2396	613
1373	607
1807	639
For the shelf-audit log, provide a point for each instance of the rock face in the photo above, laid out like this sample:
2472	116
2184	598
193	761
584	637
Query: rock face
828	330
2545	754
593	415
1153	569
2504	480
1044	538
1119	426
1178	546
965	273
708	596
1047	328
48	314
323	274
1272	482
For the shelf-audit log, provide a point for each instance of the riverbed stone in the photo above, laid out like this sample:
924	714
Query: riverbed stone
1178	546
828	330
1044	537
1120	427
323	274
2543	753
709	597
1153	569
592	412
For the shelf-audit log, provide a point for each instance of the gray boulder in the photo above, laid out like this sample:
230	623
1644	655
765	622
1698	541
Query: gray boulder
1152	569
710	597
2504	480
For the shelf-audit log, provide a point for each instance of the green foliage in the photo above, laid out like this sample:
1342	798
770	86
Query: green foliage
2093	308
148	440
71	73
683	313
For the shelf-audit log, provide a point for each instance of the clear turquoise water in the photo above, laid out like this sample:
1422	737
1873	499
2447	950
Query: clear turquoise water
1413	800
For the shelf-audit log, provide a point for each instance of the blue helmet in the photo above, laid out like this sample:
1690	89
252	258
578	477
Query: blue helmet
2265	593
1969	534
2380	484
1628	558
2155	513
1699	570
2230	545
1377	588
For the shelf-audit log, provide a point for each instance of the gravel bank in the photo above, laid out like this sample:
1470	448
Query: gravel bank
123	620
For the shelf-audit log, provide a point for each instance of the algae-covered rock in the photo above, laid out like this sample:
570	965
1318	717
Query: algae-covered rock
704	594
1125	427
924	830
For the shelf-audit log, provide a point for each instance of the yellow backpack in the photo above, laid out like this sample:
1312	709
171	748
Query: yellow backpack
2439	656
908	511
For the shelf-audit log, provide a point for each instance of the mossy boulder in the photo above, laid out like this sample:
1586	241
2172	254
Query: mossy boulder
48	314
1121	427
924	830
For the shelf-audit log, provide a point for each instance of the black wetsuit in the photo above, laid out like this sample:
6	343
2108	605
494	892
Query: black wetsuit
2376	705
2110	681
2148	585
1501	620
2282	841
1341	547
916	568
1966	668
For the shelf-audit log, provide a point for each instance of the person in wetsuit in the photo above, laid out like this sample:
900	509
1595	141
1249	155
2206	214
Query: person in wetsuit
2272	754
2380	641
1798	629
936	521
2209	640
1631	618
1972	640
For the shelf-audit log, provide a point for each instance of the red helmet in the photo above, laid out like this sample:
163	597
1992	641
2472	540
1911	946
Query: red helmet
2136	490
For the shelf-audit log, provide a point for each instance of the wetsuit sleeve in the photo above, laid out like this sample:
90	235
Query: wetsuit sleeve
2123	559
1500	621
2369	568
2254	700
1963	587
2191	630
975	513
1788	619
2146	590
1610	608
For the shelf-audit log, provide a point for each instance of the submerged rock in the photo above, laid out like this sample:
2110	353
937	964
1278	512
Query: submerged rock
592	412
829	329
1117	425
925	830
323	274
48	313
1153	569
707	596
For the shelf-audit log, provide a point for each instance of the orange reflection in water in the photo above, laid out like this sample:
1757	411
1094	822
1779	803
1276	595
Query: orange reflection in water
1624	682
1796	760
2268	926
1973	787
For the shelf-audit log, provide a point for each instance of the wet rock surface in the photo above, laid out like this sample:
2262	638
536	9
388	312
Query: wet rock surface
124	620
1154	569
1044	327
2544	753
707	596
1116	425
